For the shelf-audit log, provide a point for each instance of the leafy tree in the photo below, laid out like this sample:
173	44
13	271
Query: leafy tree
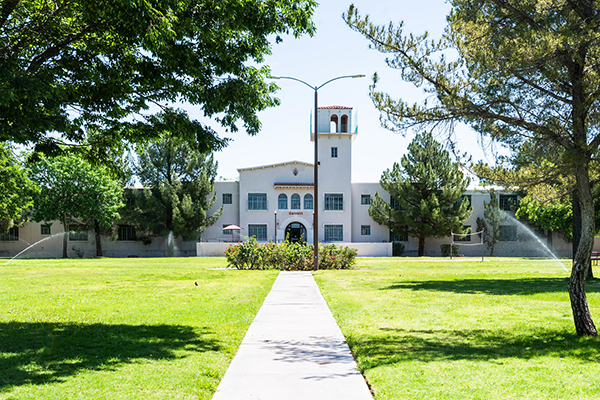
524	70
493	216
71	189
66	67
179	184
426	192
549	200
15	188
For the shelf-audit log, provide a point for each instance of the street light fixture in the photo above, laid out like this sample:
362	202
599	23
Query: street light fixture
316	165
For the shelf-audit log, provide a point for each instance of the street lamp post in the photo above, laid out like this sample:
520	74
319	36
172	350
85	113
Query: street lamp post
316	165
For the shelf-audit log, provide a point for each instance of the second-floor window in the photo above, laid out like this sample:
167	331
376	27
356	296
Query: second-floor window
334	202
257	201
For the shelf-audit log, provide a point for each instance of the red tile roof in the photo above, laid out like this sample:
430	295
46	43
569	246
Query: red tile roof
336	107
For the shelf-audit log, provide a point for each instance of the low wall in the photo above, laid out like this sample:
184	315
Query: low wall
216	249
211	249
370	249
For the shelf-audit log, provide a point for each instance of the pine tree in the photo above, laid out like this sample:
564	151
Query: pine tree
178	189
425	193
513	71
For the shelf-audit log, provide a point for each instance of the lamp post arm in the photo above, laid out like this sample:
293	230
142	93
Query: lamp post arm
339	77
295	79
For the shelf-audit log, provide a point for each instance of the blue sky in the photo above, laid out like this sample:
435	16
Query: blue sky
333	51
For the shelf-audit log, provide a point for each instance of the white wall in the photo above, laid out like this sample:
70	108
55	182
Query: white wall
231	213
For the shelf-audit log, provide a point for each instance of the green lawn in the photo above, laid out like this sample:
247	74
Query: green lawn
122	328
434	329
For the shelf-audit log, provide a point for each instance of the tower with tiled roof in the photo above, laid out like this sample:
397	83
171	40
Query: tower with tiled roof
337	130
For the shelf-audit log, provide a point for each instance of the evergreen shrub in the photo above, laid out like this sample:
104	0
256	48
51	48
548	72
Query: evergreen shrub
397	249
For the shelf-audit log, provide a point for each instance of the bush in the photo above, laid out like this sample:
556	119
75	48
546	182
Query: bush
446	250
334	257
246	255
397	249
287	256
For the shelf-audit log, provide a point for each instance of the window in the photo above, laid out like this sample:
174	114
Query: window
257	201
45	229
334	233
334	202
333	123
130	201
11	236
394	204
365	230
507	202
78	233
507	233
308	202
464	238
227	198
258	231
227	231
126	232
282	202
344	124
399	237
295	204
334	152
365	199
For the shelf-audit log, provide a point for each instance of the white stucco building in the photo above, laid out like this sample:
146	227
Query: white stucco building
271	202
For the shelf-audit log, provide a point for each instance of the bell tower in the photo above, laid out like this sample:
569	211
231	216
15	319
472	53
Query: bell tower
337	130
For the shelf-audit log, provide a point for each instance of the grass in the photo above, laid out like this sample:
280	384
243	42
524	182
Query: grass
499	329
122	328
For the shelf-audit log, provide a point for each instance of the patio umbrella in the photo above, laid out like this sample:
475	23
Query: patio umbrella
232	228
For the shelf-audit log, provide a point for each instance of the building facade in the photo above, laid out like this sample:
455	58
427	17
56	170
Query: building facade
272	202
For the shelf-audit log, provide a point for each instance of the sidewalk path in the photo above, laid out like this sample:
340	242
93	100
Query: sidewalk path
293	350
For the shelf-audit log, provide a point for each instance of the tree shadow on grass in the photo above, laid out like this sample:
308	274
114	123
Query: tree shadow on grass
524	286
38	353
391	346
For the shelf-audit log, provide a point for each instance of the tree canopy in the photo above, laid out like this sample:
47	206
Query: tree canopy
178	189
425	189
524	70
74	191
16	189
66	67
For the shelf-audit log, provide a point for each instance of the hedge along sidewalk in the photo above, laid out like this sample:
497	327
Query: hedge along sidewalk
294	349
288	256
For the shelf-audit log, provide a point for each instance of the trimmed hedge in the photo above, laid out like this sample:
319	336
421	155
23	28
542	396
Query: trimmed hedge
287	256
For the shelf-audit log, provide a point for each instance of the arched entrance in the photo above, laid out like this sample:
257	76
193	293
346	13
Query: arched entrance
295	232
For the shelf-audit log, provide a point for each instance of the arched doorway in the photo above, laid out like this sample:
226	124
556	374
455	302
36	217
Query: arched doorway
295	232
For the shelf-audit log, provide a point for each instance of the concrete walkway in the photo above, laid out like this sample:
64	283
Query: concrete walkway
293	350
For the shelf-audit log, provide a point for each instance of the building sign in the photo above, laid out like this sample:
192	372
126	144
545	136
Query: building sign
296	213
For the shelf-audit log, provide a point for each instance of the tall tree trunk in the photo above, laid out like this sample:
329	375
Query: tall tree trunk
422	247
577	232
581	312
98	238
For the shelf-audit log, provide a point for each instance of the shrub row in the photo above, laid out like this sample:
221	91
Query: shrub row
287	256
